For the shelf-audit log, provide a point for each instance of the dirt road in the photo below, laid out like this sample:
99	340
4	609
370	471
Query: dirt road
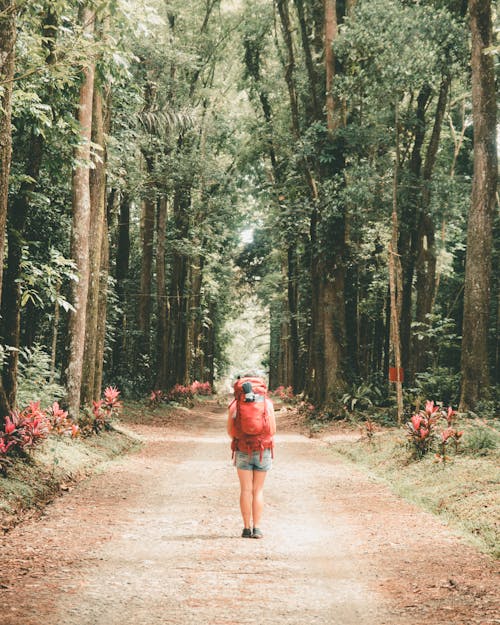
154	539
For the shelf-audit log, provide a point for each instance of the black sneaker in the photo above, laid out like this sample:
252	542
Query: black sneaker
246	533
257	533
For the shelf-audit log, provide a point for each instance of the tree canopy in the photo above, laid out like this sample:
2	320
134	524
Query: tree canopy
176	174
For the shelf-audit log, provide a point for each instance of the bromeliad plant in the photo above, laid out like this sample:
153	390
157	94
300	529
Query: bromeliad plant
201	388
60	423
423	430
285	394
26	429
180	394
450	435
104	410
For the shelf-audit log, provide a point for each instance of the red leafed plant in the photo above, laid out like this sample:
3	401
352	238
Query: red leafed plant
111	401
59	421
201	388
156	397
450	435
423	431
284	393
24	430
104	410
180	394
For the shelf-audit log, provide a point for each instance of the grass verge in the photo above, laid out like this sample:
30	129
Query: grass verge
58	463
463	491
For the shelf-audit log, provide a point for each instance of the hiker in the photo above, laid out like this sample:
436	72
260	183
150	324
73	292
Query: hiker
251	424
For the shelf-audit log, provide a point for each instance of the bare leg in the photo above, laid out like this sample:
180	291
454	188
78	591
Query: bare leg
246	481
258	496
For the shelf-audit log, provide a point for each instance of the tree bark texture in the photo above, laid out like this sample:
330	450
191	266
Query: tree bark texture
80	232
11	293
161	295
286	27
293	305
147	240
17	216
178	290
312	74
328	325
7	53
426	259
475	370
121	275
194	366
407	242
331	30
97	183
101	313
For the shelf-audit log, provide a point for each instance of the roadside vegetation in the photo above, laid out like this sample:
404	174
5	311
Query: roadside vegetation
444	462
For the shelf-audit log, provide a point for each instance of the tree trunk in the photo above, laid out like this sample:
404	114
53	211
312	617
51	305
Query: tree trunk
315	111
274	343
17	216
11	295
177	320
80	231
293	298
7	42
407	243
161	296
97	219
331	29
147	239
193	343
328	325
396	289
286	27
121	275
475	371
333	317
426	250
101	313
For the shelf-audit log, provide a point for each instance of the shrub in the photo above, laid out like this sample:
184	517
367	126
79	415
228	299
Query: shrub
60	423
180	394
23	431
481	440
285	394
36	380
104	410
156	398
201	388
439	382
423	431
361	397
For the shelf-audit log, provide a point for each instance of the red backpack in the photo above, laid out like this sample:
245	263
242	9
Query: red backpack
252	427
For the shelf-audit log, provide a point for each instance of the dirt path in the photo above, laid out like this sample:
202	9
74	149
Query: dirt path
154	539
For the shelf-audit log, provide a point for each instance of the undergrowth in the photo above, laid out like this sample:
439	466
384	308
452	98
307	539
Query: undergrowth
32	482
464	490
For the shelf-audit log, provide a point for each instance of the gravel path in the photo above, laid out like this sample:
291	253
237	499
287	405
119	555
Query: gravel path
153	539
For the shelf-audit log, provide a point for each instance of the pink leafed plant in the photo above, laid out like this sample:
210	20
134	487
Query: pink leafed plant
425	433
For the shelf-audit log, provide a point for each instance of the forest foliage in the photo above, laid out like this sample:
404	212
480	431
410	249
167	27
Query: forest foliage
166	165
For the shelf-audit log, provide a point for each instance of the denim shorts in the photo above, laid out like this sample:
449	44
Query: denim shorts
253	462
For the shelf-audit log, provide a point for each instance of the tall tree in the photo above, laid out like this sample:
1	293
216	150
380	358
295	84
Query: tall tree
122	266
7	43
80	227
475	368
16	224
97	184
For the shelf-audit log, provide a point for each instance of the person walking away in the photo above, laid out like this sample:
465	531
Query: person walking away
251	424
